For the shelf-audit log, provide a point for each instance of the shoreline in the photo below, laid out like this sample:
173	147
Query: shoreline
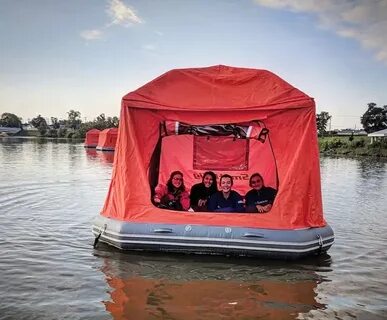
328	146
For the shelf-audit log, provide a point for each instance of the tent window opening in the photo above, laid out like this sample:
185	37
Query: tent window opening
184	153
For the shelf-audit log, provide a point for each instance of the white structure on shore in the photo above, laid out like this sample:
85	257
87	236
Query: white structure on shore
9	130
378	135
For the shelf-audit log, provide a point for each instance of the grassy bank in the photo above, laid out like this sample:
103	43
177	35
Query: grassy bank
355	146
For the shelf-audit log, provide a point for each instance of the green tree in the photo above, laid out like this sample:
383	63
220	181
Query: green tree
375	118
10	120
101	122
113	122
322	119
42	128
39	122
74	119
55	123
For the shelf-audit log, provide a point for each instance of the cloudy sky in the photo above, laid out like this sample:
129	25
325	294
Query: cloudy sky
86	54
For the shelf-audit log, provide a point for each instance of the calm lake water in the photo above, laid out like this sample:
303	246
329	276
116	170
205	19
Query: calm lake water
51	191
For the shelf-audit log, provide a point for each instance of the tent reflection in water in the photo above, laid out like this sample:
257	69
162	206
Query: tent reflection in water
229	120
142	298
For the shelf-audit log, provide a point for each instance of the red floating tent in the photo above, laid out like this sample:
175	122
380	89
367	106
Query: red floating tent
91	139
218	95
107	139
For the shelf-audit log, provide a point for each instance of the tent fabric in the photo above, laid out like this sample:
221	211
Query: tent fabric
210	96
92	137
107	139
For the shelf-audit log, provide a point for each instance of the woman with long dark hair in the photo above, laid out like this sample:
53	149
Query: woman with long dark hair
260	198
201	192
173	195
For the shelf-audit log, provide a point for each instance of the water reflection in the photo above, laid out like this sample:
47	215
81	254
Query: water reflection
91	153
50	194
373	167
147	286
106	157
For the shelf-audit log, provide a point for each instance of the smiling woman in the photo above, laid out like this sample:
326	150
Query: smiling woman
260	198
172	195
201	192
226	200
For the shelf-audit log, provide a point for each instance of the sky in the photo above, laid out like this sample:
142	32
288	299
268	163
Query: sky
85	55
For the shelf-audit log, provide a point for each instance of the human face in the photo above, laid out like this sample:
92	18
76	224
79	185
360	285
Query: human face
208	181
256	183
225	184
177	180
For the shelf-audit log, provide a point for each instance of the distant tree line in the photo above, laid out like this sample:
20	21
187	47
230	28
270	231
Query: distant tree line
72	127
10	120
374	119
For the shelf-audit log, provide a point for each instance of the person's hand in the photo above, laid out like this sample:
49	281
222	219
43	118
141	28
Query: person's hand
202	202
263	209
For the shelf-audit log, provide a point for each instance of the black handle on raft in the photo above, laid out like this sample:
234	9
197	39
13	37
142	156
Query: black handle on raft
253	235
320	243
163	230
97	237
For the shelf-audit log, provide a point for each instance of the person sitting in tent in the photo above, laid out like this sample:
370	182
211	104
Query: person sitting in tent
173	195
226	200
201	192
259	198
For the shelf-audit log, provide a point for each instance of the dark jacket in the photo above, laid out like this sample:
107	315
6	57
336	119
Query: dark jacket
234	203
262	197
199	191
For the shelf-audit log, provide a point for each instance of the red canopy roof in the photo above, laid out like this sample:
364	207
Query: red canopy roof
217	88
219	95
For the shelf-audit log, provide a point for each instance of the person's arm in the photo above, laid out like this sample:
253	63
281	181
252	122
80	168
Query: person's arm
249	199
160	192
239	203
194	196
212	202
272	193
249	202
184	200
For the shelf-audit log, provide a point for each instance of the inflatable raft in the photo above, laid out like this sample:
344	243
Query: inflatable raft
281	244
233	121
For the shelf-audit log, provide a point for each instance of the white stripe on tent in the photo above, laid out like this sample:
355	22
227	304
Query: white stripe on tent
177	127
249	129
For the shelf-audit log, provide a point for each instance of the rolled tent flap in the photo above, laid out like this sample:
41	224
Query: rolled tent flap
283	147
234	130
